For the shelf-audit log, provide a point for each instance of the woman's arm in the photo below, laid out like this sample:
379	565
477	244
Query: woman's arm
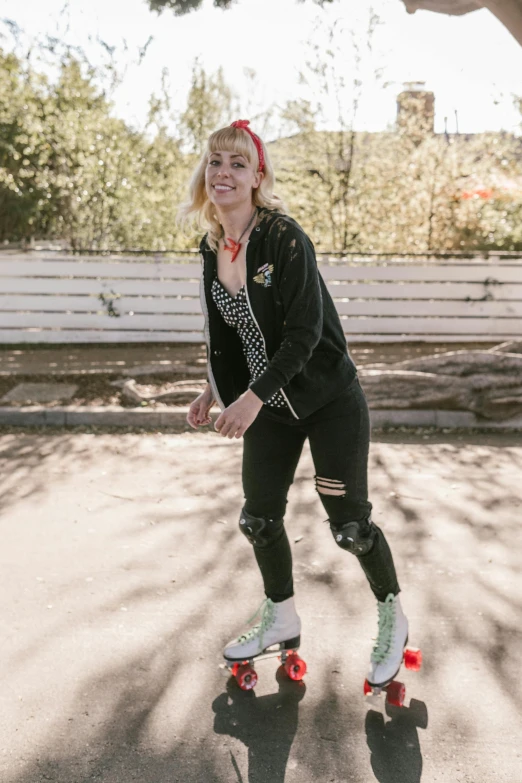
303	308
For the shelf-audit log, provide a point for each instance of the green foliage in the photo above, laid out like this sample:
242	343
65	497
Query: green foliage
408	190
21	152
209	106
444	194
70	170
181	7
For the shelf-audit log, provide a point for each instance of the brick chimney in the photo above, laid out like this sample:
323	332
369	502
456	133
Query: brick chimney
415	110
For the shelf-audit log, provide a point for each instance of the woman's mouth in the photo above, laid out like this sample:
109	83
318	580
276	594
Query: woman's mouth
223	188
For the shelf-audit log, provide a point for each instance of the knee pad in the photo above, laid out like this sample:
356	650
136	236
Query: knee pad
356	537
260	531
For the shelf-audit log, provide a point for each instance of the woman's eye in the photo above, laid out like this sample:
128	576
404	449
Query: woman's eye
217	162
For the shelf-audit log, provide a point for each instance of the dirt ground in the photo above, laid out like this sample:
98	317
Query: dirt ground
160	368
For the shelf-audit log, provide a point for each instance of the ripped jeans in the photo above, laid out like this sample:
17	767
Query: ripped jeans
339	436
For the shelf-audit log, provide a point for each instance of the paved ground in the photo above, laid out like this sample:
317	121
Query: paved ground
123	576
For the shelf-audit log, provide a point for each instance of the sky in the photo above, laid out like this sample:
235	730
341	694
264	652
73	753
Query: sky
471	62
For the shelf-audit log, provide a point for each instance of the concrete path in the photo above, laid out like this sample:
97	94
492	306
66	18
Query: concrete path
124	575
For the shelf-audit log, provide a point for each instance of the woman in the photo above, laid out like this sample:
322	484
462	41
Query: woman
279	369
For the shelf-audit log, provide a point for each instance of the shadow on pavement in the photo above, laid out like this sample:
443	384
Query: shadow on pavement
95	690
266	725
394	745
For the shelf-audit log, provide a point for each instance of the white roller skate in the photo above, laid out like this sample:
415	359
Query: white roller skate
392	635
278	633
390	651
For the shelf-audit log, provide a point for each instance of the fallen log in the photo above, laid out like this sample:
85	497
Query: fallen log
485	382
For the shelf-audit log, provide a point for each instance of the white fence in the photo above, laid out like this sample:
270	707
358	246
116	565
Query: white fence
105	300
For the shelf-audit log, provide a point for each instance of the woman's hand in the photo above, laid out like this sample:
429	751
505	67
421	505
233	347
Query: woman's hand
237	418
198	414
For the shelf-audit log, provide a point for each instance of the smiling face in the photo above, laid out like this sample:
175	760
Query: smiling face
230	179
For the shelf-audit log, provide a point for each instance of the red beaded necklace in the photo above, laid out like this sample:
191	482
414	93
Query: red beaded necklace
234	247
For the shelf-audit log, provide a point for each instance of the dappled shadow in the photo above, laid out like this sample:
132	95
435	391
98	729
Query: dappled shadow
30	463
458	499
126	658
449	504
119	670
103	733
167	539
135	541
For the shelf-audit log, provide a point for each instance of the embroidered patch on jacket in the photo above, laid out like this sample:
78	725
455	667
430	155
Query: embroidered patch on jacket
264	276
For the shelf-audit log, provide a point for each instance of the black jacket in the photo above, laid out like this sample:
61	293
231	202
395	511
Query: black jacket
305	344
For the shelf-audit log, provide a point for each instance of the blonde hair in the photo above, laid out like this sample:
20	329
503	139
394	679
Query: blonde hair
199	210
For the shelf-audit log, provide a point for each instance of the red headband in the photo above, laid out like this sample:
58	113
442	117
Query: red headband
257	141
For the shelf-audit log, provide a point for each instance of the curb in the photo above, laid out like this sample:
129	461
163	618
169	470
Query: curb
105	416
147	418
440	419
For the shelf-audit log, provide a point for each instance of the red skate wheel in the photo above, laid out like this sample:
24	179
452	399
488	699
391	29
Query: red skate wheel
295	667
246	677
396	693
413	658
367	688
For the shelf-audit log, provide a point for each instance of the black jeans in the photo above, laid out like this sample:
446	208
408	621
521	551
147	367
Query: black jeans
339	436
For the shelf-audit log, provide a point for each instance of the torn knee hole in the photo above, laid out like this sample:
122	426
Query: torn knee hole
330	486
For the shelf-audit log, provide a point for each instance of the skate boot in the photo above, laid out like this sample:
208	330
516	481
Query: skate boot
278	623
386	657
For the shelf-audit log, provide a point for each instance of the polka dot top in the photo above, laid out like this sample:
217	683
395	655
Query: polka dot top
236	313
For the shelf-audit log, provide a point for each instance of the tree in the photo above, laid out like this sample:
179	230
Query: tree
209	106
181	7
23	201
327	194
71	170
410	190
